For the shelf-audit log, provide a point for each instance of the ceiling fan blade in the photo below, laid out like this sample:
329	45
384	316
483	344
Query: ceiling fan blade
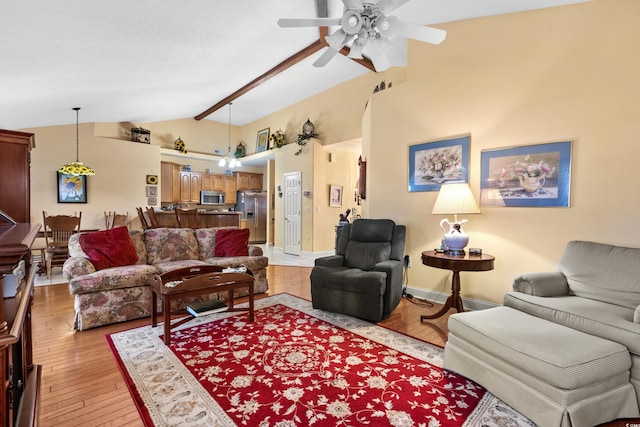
326	57
377	55
420	32
355	52
338	39
308	22
353	4
388	6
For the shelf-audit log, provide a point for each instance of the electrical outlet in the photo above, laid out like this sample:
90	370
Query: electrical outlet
407	261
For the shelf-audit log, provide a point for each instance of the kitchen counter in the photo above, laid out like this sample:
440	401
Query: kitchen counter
206	218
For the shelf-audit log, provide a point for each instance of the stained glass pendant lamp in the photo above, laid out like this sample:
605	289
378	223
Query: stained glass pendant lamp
76	168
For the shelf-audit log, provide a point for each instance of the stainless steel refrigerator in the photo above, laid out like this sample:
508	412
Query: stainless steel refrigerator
253	206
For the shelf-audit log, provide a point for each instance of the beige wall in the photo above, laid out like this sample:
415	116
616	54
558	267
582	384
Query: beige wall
542	76
121	170
548	75
121	165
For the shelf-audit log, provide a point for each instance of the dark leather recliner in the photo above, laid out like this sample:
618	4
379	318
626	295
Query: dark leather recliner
364	278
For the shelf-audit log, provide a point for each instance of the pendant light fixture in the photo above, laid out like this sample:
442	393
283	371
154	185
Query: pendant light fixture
229	159
76	168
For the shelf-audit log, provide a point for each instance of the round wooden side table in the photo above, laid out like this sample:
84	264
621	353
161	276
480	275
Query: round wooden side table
456	264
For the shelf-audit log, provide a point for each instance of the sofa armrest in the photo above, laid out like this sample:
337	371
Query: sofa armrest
551	284
77	266
255	251
330	261
636	315
387	266
393	268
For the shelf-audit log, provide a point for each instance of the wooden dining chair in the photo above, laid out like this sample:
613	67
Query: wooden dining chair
143	220
57	231
187	218
113	219
153	219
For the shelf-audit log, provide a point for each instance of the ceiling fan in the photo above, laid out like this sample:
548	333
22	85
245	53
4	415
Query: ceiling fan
366	28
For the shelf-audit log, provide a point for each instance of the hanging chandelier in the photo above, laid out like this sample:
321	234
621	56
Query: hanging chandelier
229	159
76	168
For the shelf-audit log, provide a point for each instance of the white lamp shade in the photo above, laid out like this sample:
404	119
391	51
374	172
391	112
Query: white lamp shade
455	199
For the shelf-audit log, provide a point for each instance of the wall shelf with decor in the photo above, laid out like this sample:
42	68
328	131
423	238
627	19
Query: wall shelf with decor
258	159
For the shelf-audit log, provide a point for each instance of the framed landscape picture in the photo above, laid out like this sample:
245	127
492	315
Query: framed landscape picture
432	164
262	140
71	189
536	175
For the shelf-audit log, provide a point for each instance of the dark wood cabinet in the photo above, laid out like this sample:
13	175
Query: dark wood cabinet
20	378
14	174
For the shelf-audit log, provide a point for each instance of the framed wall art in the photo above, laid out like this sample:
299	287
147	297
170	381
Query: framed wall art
152	190
71	189
432	164
335	196
262	140
536	175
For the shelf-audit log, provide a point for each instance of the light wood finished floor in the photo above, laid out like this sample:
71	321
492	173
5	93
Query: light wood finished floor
82	385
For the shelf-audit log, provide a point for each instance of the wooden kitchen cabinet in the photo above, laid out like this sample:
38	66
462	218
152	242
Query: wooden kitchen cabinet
190	185
218	182
207	183
169	182
248	181
230	189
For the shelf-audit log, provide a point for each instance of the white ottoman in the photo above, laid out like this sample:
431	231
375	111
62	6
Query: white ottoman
554	375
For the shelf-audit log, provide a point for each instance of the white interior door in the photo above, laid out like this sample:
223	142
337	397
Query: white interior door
292	209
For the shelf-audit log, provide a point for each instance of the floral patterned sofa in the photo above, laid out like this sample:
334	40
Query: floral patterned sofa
105	294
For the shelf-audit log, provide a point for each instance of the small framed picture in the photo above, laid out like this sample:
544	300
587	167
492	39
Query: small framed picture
72	189
152	201
152	179
262	140
335	196
152	190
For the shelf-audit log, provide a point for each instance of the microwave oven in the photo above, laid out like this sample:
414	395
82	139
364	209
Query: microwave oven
211	197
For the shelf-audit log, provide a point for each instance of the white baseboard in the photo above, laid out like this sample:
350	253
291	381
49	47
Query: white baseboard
441	297
306	254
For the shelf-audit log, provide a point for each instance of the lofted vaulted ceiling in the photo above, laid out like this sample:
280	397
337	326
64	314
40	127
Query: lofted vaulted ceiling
152	60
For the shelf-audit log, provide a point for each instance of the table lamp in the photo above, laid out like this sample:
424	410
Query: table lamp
454	199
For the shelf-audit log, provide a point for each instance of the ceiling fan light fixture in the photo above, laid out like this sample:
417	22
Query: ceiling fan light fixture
76	168
352	21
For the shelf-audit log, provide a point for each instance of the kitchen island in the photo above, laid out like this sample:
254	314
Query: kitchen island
206	219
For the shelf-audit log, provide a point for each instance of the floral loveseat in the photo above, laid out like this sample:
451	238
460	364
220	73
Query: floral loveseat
114	287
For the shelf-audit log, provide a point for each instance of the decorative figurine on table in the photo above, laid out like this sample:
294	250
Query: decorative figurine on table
344	218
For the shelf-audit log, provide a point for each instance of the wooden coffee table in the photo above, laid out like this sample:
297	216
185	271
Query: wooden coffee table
194	281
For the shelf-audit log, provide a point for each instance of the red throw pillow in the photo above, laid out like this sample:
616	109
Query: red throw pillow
232	242
109	248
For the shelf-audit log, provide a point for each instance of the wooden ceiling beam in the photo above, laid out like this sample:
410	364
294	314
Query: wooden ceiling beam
322	10
287	63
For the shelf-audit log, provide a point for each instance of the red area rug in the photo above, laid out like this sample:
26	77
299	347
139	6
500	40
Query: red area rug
293	366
